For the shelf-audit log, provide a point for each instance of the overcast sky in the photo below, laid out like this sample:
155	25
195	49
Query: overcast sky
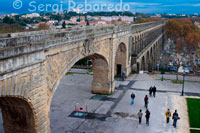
143	6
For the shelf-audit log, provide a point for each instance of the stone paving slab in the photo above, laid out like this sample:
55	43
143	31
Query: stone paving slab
104	108
116	94
117	83
93	105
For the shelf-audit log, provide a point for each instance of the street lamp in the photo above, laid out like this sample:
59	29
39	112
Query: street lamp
184	74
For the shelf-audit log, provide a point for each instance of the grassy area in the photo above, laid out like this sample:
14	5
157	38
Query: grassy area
192	81
177	81
194	112
90	70
194	131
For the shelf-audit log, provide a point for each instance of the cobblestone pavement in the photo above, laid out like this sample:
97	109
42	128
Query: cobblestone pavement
113	113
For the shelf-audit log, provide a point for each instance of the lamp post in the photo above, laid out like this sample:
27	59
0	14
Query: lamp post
182	94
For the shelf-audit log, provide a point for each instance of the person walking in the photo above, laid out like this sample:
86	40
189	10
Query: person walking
175	117
123	76
150	91
147	117
146	101
154	91
168	115
132	98
140	116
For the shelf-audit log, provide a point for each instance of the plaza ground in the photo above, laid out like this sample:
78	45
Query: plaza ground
76	88
119	116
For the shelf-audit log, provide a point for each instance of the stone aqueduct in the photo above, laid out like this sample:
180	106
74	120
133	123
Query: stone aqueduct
32	64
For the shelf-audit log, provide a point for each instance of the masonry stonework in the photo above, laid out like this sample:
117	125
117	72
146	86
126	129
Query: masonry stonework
33	63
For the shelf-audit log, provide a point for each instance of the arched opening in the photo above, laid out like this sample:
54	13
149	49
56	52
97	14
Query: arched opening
133	47
74	88
120	60
147	61
136	44
151	59
17	115
154	56
143	64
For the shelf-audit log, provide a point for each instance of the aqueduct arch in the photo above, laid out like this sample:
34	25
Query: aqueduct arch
17	115
121	60
143	64
101	72
151	59
147	63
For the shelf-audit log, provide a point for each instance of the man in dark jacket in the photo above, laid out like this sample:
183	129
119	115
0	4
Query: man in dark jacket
175	117
150	91
147	117
154	91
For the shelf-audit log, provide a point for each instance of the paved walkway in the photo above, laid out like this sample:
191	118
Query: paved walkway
117	113
113	113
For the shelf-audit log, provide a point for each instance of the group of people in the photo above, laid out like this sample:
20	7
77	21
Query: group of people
175	116
152	90
140	114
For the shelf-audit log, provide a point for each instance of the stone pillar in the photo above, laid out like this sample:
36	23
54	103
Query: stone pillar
102	81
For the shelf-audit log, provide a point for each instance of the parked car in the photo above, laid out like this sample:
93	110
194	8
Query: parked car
198	72
172	69
186	70
190	69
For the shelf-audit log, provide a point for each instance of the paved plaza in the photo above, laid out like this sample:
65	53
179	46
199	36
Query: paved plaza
120	116
113	113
